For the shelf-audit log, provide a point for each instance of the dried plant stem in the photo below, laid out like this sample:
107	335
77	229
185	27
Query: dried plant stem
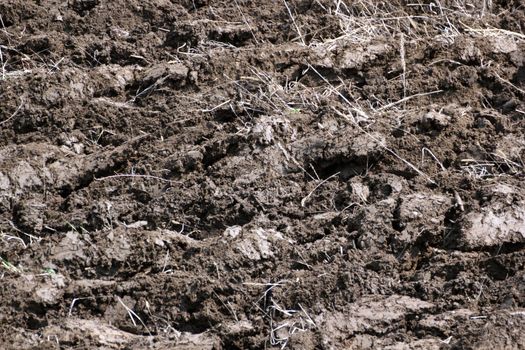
294	23
403	62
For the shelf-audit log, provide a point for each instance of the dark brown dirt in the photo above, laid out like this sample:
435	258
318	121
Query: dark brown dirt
255	175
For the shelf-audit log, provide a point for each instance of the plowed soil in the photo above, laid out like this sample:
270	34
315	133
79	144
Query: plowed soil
299	174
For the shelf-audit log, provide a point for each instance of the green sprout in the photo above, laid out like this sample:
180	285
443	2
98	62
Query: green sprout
49	271
8	266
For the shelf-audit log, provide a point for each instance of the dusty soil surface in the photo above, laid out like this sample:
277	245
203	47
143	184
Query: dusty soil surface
301	174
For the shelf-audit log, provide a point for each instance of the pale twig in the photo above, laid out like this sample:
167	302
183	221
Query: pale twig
477	317
14	114
72	305
150	88
135	176
303	201
292	327
403	62
477	169
423	150
308	316
447	341
481	288
55	65
495	31
166	259
133	315
381	143
511	164
289	156
8	238
246	22
330	85
269	285
228	307
216	107
3	27
365	116
294	23
421	94
458	201
31	237
509	83
282	310
2	63
315	172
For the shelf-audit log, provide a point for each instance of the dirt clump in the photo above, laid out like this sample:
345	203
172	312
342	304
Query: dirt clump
262	175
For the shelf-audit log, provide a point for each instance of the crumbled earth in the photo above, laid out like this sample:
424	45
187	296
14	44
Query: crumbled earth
298	174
